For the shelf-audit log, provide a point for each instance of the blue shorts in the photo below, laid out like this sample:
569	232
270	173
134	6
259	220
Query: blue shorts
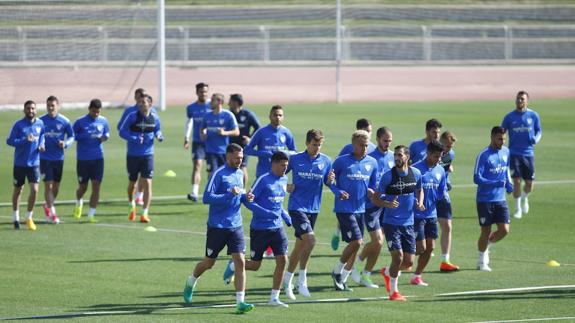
372	219
218	238
140	165
21	173
214	161
51	170
400	237
198	150
425	229
522	166
351	226
302	222
443	208
492	212
261	239
90	170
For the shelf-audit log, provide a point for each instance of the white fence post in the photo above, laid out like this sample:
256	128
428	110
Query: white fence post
508	43
266	43
426	42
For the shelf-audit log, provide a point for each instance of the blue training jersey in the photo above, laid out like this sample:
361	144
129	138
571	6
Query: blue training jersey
417	151
127	111
140	131
56	129
196	111
524	130
224	207
247	121
434	185
491	174
354	177
269	140
269	191
308	175
216	143
348	149
26	153
88	132
385	162
403	214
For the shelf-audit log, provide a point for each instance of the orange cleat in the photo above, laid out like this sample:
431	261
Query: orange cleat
386	278
447	267
396	296
144	219
132	215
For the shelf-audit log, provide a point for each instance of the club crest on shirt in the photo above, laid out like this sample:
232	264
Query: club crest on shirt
368	167
390	164
283	138
284	187
209	251
243	118
438	176
303	226
529	121
222	121
59	126
100	127
320	166
37	130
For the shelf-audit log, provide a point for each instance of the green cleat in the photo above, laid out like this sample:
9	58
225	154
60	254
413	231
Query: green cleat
335	242
78	212
189	292
243	307
92	219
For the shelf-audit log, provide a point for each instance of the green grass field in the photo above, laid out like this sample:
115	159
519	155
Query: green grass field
120	272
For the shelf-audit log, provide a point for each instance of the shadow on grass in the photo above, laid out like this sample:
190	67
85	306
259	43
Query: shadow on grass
526	295
186	259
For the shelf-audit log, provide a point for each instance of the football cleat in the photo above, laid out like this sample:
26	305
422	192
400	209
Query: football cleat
193	197
31	225
132	214
396	296
337	283
366	281
16	225
144	219
188	292
417	280
277	302
78	211
386	278
525	205
289	291
303	290
335	242
483	267
228	273
447	266
243	307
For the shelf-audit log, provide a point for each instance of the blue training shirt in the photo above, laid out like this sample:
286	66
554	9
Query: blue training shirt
216	143
246	120
491	174
269	191
127	111
56	129
196	111
224	207
385	162
308	175
354	177
403	214
348	149
269	140
26	153
417	150
140	131
88	132
524	130
434	185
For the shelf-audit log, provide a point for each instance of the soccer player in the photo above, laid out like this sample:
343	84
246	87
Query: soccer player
401	189
524	130
492	177
361	273
139	129
434	185
217	126
248	123
310	170
27	137
59	136
137	94
360	124
90	132
266	228
224	194
355	179
195	113
443	206
269	139
418	148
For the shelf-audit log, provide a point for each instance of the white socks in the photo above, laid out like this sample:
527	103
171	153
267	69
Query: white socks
287	278
79	202
192	280
344	275
445	257
517	201
16	215
338	267
195	189
393	287
91	212
240	297
275	294
29	214
302	277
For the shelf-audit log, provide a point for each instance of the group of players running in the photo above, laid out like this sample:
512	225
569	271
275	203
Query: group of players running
398	195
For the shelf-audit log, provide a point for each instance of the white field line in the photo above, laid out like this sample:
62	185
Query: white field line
532	320
183	197
494	291
184	308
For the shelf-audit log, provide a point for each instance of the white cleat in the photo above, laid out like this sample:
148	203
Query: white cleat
517	214
355	275
303	290
277	302
525	205
483	267
289	291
